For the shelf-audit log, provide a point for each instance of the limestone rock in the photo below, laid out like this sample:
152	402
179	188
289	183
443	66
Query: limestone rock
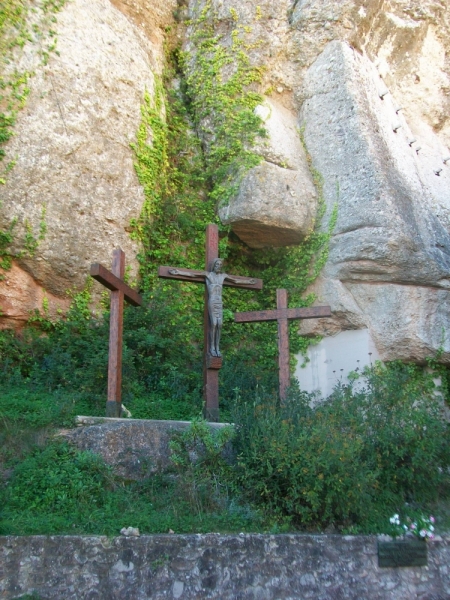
21	296
277	200
74	165
135	448
391	245
130	531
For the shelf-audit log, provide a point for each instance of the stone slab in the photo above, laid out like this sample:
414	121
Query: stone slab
135	448
333	358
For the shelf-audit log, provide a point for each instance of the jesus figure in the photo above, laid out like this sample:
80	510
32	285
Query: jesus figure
214	282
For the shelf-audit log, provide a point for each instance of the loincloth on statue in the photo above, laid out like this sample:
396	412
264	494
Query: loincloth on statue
215	308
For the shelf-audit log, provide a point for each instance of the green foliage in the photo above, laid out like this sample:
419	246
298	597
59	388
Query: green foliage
199	457
58	489
219	80
6	238
347	462
184	181
351	459
58	479
161	373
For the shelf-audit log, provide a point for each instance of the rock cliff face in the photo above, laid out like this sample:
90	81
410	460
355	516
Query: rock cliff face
368	83
74	165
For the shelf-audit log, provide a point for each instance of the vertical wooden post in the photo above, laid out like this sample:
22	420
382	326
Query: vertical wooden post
114	401
211	364
283	345
282	314
120	291
210	376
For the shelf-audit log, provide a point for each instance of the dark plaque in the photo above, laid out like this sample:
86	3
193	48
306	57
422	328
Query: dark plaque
402	553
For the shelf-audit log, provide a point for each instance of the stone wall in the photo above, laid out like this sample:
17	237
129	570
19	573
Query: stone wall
225	567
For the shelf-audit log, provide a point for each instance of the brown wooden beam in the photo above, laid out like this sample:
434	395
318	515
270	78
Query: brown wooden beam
311	312
210	376
283	345
114	402
282	314
114	283
211	364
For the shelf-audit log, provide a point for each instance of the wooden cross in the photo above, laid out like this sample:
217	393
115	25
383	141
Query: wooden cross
211	364
282	314
113	280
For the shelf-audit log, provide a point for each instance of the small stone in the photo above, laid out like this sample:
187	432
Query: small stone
171	531
177	589
125	412
130	531
280	90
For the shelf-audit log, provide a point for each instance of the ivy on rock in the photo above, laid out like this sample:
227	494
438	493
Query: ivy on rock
194	145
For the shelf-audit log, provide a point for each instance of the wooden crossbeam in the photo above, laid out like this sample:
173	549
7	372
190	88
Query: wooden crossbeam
120	291
283	314
312	312
211	363
115	284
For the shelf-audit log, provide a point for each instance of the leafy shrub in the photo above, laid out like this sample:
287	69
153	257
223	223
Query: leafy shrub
199	456
59	479
349	459
58	489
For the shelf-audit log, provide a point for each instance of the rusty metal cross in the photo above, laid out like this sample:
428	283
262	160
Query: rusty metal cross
282	314
120	291
211	364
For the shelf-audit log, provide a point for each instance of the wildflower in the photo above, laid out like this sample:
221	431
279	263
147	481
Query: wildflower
395	520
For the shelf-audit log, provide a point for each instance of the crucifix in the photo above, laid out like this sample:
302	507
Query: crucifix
120	291
214	279
282	314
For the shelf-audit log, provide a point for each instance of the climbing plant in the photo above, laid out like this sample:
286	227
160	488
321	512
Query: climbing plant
194	145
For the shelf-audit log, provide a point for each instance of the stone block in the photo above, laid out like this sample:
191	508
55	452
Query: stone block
134	448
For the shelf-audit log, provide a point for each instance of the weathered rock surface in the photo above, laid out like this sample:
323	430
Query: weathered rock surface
225	567
326	65
389	261
20	295
277	201
74	167
135	448
390	249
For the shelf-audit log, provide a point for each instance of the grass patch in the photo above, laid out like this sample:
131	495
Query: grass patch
59	490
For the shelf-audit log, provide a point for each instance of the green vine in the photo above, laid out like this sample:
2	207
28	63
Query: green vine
220	82
193	146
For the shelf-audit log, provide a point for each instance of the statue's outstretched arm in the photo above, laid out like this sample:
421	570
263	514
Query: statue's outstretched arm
187	273
240	281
